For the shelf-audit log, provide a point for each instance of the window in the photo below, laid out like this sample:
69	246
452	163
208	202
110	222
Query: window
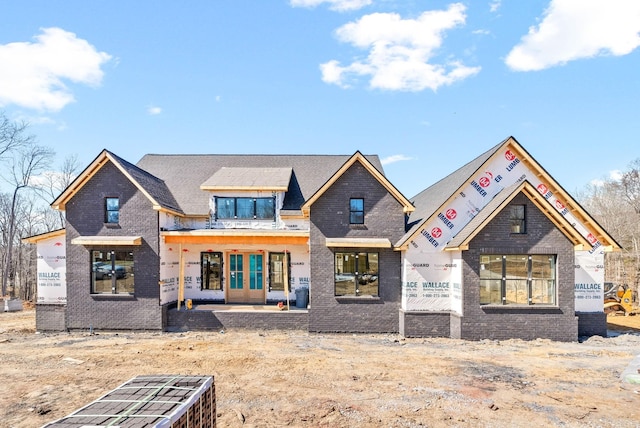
112	272
211	264
245	208
356	211
356	274
517	219
516	279
278	276
112	210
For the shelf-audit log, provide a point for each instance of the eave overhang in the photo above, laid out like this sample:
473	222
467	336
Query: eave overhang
43	236
357	243
107	240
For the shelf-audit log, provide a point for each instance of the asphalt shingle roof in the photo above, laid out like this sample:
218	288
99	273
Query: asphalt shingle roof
153	185
183	174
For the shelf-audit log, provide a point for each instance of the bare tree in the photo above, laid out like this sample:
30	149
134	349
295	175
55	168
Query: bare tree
51	183
29	159
615	203
12	135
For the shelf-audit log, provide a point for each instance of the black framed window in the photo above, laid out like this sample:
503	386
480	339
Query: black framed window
245	208
356	274
518	279
356	211
211	265
112	210
279	272
112	272
517	219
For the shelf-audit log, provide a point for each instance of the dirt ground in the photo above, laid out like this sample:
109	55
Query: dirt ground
271	379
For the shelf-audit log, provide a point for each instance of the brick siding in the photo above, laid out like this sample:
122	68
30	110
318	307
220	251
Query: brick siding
524	322
85	217
384	218
51	317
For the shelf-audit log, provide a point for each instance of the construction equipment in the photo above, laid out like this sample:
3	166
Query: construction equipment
619	299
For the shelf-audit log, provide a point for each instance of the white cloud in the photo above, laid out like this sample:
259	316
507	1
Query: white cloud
574	29
33	74
154	110
394	158
400	51
615	175
495	5
337	5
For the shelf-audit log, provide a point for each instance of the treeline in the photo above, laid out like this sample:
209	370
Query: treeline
615	204
28	184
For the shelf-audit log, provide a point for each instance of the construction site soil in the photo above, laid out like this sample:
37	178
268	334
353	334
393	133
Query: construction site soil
294	378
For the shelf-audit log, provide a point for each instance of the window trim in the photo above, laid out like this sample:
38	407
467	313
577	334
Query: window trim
517	223
356	212
288	270
221	271
108	211
358	277
530	279
112	272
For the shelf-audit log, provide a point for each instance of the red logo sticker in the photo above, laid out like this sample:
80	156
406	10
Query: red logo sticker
58	244
451	213
542	188
436	232
509	155
559	205
592	239
484	182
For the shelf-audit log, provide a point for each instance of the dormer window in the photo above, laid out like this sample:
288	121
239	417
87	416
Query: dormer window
245	208
112	210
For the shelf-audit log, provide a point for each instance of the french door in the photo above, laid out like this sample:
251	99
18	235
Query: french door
246	278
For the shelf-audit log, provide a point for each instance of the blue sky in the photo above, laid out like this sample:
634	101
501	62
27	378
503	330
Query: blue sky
426	85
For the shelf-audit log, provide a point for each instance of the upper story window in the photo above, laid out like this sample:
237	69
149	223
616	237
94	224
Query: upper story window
245	208
356	211
112	210
517	219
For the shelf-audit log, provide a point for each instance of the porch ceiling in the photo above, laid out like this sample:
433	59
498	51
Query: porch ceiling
236	237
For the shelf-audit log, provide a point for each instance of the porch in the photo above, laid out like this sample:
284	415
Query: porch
215	317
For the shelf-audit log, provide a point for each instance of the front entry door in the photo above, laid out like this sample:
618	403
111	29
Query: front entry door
246	278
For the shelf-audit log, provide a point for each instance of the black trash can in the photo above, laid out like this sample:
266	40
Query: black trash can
302	297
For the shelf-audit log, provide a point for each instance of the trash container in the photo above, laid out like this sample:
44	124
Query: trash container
302	297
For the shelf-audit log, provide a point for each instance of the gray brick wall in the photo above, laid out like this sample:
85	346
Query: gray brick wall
528	322
50	317
85	217
592	324
202	320
384	218
425	324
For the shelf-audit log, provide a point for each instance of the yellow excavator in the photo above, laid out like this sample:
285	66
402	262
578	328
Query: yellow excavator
618	299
